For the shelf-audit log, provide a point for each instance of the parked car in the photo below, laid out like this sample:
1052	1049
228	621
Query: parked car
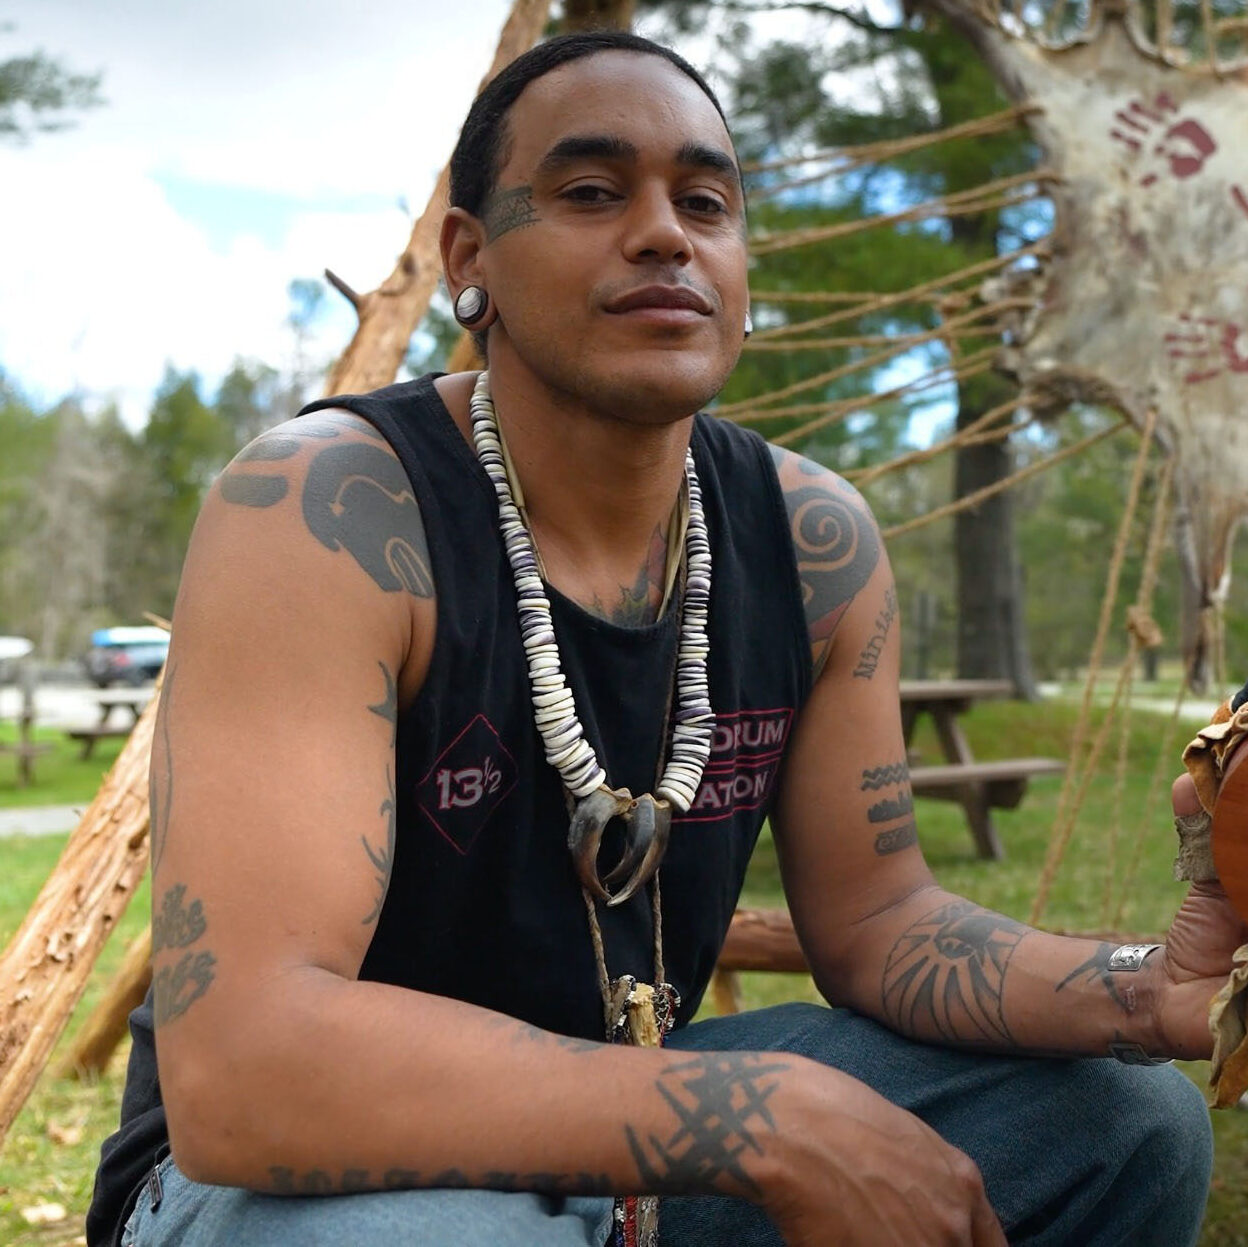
126	655
12	650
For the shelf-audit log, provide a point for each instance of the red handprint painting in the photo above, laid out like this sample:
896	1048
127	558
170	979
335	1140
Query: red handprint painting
1180	150
1206	347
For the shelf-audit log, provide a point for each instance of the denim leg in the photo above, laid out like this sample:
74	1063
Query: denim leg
190	1214
1087	1152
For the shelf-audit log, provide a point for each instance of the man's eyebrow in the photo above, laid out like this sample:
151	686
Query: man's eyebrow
700	156
587	147
612	147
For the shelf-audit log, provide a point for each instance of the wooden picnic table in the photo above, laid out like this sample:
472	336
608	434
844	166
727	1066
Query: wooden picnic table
979	787
132	699
109	700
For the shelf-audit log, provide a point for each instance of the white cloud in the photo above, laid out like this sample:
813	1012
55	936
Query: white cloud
102	280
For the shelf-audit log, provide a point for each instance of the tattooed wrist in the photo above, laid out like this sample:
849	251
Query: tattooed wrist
722	1122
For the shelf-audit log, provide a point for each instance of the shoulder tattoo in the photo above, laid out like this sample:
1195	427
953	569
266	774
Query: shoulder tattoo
834	539
356	497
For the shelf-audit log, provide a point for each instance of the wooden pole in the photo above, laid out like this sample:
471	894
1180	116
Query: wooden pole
389	315
46	965
100	1034
597	15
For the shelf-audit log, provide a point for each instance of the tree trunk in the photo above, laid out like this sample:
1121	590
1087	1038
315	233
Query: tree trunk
48	961
596	15
992	636
389	315
100	1034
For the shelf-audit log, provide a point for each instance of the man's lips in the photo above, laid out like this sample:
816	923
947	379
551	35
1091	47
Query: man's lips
682	298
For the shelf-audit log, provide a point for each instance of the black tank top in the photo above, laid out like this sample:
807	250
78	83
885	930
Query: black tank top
483	903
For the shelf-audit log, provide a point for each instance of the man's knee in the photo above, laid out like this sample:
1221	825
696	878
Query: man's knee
1167	1117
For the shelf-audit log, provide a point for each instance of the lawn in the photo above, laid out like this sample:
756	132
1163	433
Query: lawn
51	1151
61	776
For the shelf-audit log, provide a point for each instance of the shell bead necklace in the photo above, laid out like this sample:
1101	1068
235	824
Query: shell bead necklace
563	735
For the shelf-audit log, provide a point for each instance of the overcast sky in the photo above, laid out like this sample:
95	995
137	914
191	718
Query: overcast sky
244	143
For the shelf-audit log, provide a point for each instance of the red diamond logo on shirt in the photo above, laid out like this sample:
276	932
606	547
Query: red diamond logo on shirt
467	783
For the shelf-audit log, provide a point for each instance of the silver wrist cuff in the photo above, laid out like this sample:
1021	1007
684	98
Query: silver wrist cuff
1130	956
1134	1054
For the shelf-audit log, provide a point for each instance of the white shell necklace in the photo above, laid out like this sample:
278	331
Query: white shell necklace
647	818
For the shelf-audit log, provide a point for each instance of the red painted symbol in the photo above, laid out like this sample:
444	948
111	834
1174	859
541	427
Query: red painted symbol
1183	148
1207	347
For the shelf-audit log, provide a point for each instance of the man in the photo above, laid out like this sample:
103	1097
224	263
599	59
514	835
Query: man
405	654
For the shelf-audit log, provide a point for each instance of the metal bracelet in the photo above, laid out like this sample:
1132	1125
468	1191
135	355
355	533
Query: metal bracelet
1130	956
1133	1054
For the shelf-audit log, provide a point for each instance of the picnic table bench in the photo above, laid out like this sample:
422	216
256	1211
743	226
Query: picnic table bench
978	786
109	700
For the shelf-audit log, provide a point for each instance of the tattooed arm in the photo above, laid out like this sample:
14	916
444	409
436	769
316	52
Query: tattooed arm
878	932
303	627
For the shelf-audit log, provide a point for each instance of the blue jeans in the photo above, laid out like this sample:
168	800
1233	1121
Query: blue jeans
1074	1153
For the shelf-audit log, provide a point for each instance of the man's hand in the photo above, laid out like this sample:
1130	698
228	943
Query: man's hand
1197	957
860	1171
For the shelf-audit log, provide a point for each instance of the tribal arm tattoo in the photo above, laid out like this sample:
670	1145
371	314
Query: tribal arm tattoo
944	979
893	814
835	540
286	1181
178	927
1095	970
382	859
160	773
720	1120
356	497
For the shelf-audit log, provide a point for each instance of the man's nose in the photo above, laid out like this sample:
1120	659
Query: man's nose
654	230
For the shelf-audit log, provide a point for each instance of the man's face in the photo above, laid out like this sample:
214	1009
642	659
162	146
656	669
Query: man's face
615	250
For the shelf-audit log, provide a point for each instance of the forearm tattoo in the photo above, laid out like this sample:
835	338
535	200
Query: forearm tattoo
1096	970
356	497
722	1119
178	928
894	814
286	1181
945	977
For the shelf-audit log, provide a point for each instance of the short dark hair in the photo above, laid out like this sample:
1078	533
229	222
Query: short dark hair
478	157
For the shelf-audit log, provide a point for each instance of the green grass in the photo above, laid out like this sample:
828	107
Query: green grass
61	776
34	1168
